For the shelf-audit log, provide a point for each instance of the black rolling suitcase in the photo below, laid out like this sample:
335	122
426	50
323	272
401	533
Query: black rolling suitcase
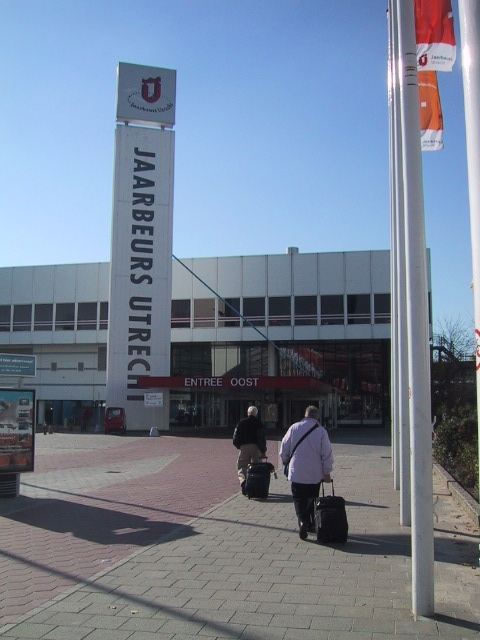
330	518
257	482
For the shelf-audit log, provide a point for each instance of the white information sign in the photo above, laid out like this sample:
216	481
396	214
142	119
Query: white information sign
154	399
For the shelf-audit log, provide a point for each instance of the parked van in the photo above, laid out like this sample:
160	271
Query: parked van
115	420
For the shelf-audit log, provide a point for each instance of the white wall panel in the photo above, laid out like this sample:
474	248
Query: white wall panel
305	333
305	274
206	270
6	281
331	275
182	279
279	275
279	333
22	285
254	276
358	272
381	331
380	271
65	283
87	282
332	332
43	284
103	281
229	334
358	332
249	334
230	277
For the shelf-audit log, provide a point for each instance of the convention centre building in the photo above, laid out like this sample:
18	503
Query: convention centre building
278	331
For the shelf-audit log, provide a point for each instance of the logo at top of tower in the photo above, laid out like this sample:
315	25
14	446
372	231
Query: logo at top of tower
149	97
146	95
155	93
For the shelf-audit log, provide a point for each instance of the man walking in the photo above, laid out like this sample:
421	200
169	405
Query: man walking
307	450
249	439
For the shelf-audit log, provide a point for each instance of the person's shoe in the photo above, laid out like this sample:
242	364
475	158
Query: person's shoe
242	486
302	532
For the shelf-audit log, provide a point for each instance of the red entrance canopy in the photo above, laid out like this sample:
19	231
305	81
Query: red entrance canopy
287	383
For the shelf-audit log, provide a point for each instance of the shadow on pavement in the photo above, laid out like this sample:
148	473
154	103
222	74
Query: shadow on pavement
98	525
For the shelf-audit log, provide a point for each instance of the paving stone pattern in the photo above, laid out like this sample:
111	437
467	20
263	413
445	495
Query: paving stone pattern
149	538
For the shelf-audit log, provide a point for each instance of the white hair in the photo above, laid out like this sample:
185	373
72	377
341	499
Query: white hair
252	411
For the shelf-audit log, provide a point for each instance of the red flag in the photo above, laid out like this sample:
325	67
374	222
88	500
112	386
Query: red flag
431	118
436	47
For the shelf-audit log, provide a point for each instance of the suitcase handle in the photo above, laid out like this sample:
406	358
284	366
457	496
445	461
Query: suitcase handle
273	468
323	487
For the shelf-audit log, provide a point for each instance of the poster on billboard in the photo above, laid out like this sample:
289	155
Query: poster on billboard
17	430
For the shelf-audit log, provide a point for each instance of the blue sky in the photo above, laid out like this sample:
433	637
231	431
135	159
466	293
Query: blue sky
281	131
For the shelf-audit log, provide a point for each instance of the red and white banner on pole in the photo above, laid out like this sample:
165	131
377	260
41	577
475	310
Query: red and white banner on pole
435	36
431	118
436	51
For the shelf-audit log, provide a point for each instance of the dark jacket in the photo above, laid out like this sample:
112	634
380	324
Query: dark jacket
250	430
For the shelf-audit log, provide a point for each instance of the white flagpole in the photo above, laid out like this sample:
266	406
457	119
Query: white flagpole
417	320
469	13
399	320
393	152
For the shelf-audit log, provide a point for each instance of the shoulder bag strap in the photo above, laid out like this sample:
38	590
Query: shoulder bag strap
315	426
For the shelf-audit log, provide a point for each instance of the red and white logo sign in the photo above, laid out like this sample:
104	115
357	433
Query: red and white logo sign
151	89
146	95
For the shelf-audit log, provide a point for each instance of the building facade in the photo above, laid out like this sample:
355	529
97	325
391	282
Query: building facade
279	331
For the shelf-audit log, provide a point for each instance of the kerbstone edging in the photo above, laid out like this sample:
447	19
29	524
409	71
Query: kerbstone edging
461	497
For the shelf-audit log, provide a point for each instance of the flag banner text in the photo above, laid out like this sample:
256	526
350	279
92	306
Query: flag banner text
435	35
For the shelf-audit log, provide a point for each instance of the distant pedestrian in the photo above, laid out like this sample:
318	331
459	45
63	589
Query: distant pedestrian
249	439
307	450
86	415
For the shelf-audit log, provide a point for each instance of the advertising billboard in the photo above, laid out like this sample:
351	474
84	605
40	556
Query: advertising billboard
17	365
17	430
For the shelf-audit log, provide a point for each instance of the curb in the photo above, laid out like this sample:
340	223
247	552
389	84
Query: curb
462	498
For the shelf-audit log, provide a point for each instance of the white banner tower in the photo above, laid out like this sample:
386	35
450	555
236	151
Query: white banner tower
141	243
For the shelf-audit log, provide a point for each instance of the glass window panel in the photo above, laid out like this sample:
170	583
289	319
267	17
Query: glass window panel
204	313
22	317
306	310
229	312
87	315
209	359
381	305
301	360
358	308
102	359
280	311
255	360
332	309
191	359
226	359
43	317
5	312
180	314
65	316
254	311
103	324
